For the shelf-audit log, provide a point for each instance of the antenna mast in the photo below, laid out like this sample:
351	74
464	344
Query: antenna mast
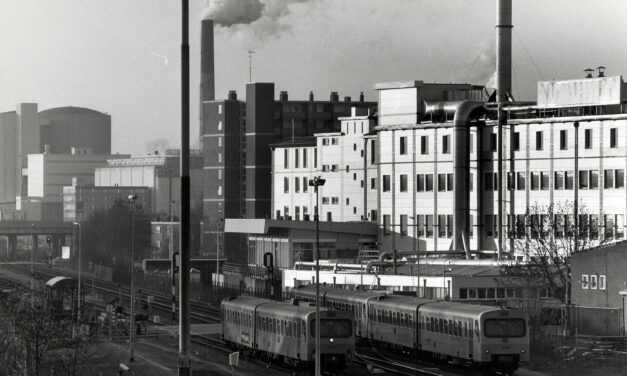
250	65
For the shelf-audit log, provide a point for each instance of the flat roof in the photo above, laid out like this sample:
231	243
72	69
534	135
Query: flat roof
262	226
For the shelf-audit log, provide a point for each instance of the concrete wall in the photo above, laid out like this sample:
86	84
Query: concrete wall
8	156
65	127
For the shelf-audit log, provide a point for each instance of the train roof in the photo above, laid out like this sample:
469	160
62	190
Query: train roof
456	308
400	301
60	282
289	310
245	301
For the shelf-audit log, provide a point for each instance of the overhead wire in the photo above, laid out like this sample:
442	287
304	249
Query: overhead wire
528	54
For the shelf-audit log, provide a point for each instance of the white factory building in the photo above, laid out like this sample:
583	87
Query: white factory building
432	185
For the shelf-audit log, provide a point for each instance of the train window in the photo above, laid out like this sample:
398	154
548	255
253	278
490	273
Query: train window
472	293
505	328
288	329
453	327
459	328
500	293
394	318
476	328
491	293
447	327
437	325
304	331
465	329
463	293
379	315
481	293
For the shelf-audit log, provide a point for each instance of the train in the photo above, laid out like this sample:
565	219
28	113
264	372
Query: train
478	336
286	332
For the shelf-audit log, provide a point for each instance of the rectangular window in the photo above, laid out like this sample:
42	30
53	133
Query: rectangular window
329	217
325	201
219	174
304	158
534	178
297	213
563	139
441	226
373	215
305	184
296	158
386	183
286	159
429	182
471	226
583	179
608	179
544	181
613	137
594	280
335	200
441	182
602	282
316	158
296	185
429	225
424	145
584	281
588	139
420	225
516	141
402	145
449	226
493	142
569	180
286	185
511	183
219	157
420	183
539	140
446	147
372	151
373	183
558	180
386	224
220	141
594	179
403	183
471	182
403	225
619	178
520	181
449	182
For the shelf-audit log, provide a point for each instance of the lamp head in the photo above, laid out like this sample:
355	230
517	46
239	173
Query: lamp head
132	197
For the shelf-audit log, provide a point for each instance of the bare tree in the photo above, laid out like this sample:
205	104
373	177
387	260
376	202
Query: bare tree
546	237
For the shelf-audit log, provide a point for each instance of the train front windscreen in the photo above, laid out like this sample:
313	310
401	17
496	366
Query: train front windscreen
333	328
505	328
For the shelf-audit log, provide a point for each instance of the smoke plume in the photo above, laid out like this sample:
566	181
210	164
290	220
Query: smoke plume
262	18
484	64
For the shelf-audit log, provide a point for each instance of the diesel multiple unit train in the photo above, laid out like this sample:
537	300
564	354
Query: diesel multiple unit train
285	331
475	335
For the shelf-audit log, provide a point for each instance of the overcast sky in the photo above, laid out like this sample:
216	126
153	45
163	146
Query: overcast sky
123	56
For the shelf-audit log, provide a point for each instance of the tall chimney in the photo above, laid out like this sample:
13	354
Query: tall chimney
207	75
503	49
311	96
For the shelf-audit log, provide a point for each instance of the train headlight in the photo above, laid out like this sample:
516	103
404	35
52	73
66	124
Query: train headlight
330	339
487	351
522	351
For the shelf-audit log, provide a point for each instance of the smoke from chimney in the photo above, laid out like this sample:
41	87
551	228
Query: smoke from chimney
263	16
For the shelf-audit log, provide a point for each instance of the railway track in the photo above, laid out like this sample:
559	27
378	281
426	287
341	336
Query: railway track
201	312
390	365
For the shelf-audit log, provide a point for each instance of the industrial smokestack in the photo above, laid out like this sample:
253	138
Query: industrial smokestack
361	96
207	75
311	96
503	49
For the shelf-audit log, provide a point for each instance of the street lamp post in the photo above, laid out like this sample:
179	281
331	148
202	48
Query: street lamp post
132	198
317	182
80	250
32	267
445	289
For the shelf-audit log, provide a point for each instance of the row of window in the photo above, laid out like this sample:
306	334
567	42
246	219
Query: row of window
297	184
297	159
562	180
593	282
288	328
424	145
424	183
454	328
424	225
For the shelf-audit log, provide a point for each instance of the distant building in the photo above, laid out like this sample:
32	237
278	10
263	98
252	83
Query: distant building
344	159
27	131
160	173
164	239
236	137
47	174
81	201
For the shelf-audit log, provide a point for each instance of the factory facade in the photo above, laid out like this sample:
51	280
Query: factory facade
436	166
237	159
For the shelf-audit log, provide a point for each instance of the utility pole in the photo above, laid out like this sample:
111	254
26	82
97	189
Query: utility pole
184	212
250	65
317	182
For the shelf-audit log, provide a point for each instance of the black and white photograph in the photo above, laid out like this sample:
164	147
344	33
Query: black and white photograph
313	187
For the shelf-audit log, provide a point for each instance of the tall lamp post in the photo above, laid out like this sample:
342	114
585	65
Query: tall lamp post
317	182
80	250
447	293
32	263
132	198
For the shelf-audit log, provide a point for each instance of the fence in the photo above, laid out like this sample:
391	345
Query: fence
593	321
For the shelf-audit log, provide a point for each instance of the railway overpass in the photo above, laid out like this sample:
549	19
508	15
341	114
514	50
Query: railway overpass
58	231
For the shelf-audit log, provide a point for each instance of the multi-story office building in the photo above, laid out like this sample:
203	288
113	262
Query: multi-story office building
81	201
237	158
434	170
344	159
158	172
28	131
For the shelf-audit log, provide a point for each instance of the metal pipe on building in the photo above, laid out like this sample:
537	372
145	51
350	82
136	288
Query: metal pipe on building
463	111
503	88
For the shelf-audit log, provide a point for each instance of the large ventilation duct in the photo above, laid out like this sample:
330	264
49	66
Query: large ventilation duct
463	112
207	75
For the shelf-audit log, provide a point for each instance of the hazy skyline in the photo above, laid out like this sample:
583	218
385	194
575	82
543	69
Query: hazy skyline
123	57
